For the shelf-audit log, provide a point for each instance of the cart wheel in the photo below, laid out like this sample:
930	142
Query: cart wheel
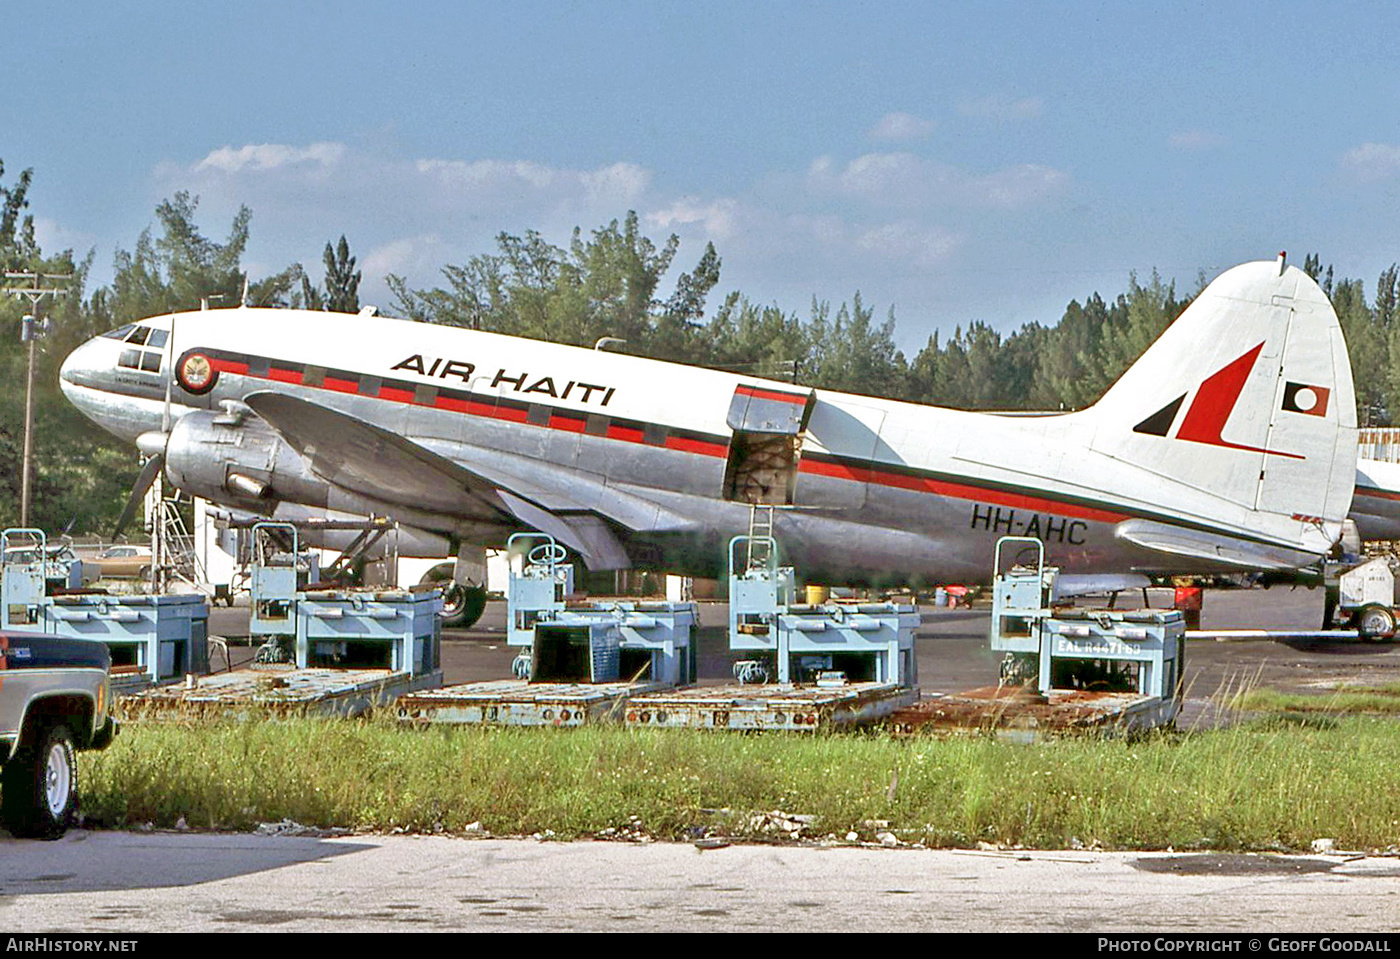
1375	622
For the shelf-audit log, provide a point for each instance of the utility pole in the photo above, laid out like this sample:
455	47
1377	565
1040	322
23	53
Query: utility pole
30	330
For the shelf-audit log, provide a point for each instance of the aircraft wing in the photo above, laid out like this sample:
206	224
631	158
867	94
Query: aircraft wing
367	459
359	456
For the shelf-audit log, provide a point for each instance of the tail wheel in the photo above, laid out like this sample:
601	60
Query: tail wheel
39	790
1375	622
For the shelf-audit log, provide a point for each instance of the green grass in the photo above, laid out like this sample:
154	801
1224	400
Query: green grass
1344	699
1273	784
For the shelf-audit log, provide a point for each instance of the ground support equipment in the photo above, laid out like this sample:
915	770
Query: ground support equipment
328	649
519	702
152	639
772	707
250	695
869	642
591	642
1065	667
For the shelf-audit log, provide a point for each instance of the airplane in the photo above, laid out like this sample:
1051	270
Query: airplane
1375	507
1229	446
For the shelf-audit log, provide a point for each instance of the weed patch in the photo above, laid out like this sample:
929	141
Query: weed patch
1266	785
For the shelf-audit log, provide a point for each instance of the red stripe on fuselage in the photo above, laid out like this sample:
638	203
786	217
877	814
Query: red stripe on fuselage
701	446
924	484
761	394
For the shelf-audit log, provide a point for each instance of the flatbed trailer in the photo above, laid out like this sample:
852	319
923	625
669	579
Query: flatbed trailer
251	694
781	706
517	702
1021	713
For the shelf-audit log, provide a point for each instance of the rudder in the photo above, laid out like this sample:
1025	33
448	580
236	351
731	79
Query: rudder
1248	399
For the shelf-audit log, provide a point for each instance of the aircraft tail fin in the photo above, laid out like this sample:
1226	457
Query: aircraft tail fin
1246	399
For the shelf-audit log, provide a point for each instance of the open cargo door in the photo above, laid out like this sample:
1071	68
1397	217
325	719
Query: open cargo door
766	445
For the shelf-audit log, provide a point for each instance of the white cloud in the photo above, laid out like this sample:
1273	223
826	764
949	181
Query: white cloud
902	179
719	219
54	237
415	255
906	242
621	183
1373	161
1020	185
271	156
880	222
899	126
1195	140
1002	108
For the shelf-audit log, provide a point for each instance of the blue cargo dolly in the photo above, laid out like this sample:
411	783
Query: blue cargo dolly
152	638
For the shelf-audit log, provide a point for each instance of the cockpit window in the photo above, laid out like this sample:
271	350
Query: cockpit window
120	332
157	338
137	337
148	361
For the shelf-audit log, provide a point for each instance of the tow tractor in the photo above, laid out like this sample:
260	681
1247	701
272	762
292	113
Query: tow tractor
1362	594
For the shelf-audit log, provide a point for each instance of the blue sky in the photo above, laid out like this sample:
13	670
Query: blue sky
958	162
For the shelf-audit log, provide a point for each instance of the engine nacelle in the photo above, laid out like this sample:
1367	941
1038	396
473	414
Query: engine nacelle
239	460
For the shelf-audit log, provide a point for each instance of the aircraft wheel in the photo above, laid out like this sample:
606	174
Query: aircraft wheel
1375	622
462	605
39	790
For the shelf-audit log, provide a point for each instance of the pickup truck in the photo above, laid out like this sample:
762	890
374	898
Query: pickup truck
55	698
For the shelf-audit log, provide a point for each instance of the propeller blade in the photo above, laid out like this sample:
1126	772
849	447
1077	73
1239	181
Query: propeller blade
138	492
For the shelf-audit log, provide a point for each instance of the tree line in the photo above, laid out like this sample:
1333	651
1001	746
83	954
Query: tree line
606	283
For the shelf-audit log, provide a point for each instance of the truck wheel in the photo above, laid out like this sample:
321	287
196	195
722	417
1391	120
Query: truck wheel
39	790
1375	622
462	605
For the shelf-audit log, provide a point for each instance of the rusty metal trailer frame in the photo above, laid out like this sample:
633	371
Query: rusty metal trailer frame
1020	714
516	702
274	694
775	707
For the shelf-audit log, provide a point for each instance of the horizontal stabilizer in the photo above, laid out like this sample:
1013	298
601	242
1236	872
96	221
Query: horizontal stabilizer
1213	547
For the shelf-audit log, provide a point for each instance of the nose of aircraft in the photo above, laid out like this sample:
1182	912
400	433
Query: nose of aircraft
78	369
88	378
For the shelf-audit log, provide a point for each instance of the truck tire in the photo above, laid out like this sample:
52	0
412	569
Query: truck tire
39	789
1375	622
462	605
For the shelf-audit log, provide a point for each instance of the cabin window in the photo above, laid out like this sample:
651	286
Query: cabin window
654	434
131	359
150	361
